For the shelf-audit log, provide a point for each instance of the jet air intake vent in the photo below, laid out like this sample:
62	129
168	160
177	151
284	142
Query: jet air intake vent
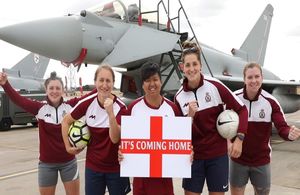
239	53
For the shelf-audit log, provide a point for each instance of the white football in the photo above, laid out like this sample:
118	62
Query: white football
79	134
227	124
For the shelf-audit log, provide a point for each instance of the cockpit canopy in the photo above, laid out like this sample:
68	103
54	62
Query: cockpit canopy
117	9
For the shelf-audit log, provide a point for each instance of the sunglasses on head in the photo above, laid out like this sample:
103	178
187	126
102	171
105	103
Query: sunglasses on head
190	50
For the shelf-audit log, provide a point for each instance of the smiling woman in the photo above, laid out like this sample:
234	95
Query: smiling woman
263	110
102	113
152	104
202	98
54	89
53	156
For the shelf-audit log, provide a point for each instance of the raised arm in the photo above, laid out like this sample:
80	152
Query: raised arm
27	104
3	78
114	127
284	130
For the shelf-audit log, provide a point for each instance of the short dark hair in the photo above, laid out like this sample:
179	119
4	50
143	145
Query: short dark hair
149	69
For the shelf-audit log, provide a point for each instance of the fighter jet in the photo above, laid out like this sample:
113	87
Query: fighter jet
126	37
28	74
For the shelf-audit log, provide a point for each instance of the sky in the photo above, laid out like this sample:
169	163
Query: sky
221	24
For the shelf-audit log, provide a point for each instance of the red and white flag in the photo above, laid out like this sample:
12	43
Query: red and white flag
156	146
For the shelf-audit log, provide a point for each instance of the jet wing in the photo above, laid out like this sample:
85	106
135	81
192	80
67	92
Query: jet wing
140	42
281	83
265	81
237	82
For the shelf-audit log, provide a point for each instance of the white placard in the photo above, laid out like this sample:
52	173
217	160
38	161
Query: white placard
156	146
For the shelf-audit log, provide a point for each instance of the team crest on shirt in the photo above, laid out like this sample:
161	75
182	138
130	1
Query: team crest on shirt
64	113
207	97
262	113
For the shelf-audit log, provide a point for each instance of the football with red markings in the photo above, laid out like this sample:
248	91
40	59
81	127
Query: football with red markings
79	134
227	124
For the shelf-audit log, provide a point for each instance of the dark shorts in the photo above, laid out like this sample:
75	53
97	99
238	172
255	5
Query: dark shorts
48	172
259	176
214	171
96	183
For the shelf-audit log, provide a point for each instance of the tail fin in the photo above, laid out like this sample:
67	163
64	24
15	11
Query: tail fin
33	65
255	45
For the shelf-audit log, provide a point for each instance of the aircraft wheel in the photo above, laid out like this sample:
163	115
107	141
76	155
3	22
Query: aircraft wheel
5	124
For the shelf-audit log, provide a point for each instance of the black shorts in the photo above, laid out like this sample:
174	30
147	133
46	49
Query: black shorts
97	182
214	171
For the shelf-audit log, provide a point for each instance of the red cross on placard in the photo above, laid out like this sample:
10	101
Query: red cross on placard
156	134
156	155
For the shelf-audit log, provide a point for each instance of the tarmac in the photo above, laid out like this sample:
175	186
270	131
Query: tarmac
19	158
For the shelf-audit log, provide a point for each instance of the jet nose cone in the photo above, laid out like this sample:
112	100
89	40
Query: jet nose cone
57	38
